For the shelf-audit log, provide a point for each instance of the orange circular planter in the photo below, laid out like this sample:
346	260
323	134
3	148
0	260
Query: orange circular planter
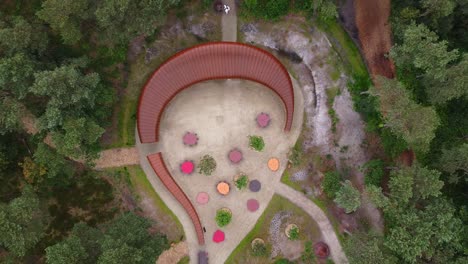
223	188
273	164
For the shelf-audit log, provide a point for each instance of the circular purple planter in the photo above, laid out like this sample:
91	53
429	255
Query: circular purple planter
263	120
252	205
235	155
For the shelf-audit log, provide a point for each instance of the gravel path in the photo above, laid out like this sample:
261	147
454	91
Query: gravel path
328	233
229	22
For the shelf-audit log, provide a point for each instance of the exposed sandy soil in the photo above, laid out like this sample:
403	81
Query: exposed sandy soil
117	157
173	254
375	35
345	146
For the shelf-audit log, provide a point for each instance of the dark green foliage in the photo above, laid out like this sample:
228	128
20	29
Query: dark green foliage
367	106
16	74
65	17
256	142
259	249
415	123
295	156
348	197
284	261
207	165
124	240
331	183
266	9
455	162
293	233
241	182
54	163
223	217
367	249
112	17
374	171
19	35
22	223
421	223
85	199
308	255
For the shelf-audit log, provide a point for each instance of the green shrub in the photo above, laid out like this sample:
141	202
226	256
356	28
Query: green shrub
284	261
259	249
331	183
223	217
207	165
256	142
374	172
241	182
265	9
308	255
348	197
276	8
184	260
294	233
296	155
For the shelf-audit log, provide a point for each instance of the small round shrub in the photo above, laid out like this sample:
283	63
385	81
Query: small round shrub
242	181
374	170
256	142
331	184
293	233
207	165
223	217
259	249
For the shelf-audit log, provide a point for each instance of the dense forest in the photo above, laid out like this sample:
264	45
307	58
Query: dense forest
59	60
58	63
422	111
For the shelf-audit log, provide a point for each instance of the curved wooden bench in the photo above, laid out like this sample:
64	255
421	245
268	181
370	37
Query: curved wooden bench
158	165
210	61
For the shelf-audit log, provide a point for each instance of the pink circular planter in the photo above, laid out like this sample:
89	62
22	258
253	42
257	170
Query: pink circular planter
190	139
203	198
252	205
235	156
321	250
187	167
263	120
218	236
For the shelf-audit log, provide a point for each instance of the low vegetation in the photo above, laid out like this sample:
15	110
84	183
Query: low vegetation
206	165
348	197
293	233
241	182
259	249
256	143
223	217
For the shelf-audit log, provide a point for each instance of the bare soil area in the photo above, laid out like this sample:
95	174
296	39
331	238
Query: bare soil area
375	35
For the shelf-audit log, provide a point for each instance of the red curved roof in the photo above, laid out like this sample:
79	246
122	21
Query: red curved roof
158	165
215	60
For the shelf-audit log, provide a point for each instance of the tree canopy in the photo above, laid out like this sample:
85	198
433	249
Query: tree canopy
415	123
22	223
124	240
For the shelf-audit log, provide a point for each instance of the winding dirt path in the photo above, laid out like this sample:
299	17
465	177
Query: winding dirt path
375	35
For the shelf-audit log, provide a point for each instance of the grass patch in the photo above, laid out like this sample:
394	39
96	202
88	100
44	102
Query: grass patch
184	260
345	47
285	178
331	94
311	232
